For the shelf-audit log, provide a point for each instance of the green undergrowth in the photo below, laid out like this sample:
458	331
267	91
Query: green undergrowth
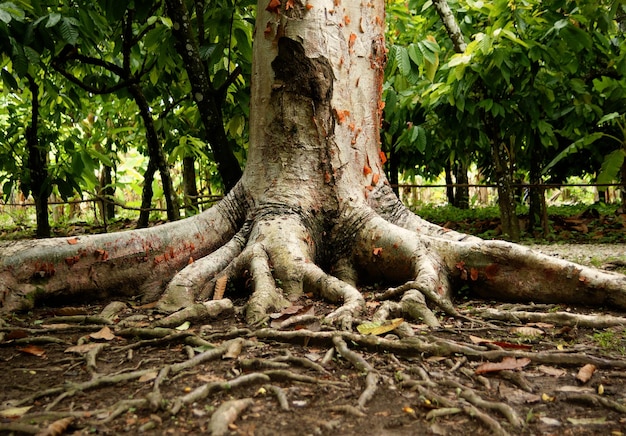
577	223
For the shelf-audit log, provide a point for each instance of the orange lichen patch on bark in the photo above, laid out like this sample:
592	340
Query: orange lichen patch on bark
273	6
44	269
337	2
101	254
341	115
369	187
383	157
327	177
346	20
473	274
491	270
308	6
289	5
375	179
268	29
351	40
72	260
72	241
366	170
158	259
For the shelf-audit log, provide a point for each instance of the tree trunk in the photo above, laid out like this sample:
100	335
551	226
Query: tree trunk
207	98
155	152
449	183
146	195
506	193
537	211
38	165
462	192
189	184
108	192
313	211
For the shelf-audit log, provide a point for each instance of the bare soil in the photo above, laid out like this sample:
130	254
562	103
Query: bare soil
67	370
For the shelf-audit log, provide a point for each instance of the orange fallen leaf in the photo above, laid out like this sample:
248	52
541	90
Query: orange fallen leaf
33	349
81	349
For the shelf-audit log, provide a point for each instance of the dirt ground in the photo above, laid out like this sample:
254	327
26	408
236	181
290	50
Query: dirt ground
108	368
499	369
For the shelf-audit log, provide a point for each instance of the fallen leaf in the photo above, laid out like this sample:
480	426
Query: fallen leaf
234	350
379	328
104	333
220	287
547	398
549	370
149	376
81	349
575	389
588	421
585	373
507	363
33	349
184	326
14	412
72	241
527	331
16	334
550	421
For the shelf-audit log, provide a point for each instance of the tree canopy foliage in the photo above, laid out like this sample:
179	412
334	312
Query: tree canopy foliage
536	92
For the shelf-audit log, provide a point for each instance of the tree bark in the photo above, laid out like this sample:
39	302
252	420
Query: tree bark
146	195
313	211
189	184
155	153
207	98
506	193
38	165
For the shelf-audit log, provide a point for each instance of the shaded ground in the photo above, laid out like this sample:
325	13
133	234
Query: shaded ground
505	369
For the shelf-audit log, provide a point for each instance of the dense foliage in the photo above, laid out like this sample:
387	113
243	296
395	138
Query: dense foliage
95	97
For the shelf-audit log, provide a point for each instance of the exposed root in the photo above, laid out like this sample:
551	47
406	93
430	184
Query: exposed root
354	358
226	414
334	290
371	383
198	312
280	395
598	321
188	283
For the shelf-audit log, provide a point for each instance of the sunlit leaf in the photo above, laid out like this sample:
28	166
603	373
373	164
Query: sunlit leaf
379	328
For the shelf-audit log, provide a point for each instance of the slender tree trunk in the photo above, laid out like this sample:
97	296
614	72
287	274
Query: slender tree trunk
190	187
207	98
451	25
537	211
449	183
108	192
146	195
38	165
462	192
506	193
155	152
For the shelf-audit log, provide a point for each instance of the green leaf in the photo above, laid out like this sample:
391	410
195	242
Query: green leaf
403	60
69	31
415	54
611	167
608	117
574	148
9	80
421	139
53	19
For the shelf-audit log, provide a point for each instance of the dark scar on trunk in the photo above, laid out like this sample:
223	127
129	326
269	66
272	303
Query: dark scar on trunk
299	74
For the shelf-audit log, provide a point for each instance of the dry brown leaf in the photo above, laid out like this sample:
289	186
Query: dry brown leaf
149	376
234	350
549	370
33	349
220	287
507	363
81	349
527	331
585	373
57	428
104	333
14	412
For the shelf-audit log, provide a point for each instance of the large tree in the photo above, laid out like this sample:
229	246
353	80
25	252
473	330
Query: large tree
313	210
